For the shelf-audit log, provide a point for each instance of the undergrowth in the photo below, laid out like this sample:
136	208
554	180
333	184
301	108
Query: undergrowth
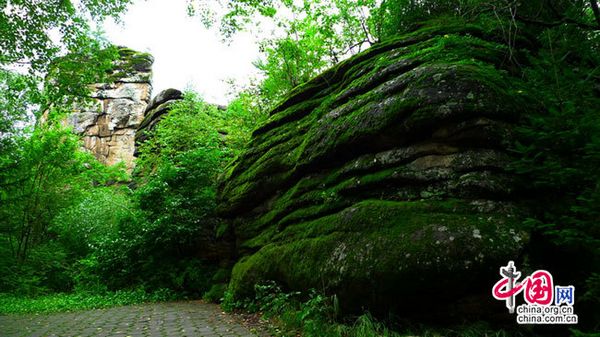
311	314
10	304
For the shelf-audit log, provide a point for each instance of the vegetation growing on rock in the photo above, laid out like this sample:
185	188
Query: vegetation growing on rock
355	178
343	194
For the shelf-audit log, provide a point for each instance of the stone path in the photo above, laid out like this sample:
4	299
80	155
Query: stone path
189	319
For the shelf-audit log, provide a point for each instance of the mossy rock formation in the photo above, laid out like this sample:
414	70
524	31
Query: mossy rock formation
384	180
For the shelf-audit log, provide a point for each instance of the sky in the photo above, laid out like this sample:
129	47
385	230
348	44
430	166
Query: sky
187	55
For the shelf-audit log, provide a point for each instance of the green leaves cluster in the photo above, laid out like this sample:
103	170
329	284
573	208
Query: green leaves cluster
170	239
50	54
10	304
45	174
29	29
559	155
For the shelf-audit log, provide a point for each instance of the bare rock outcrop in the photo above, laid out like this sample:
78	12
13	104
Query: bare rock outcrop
108	124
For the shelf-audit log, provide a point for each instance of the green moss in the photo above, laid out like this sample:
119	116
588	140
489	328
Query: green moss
388	238
134	64
327	195
364	96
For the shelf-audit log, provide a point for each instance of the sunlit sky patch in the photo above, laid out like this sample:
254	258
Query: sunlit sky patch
187	54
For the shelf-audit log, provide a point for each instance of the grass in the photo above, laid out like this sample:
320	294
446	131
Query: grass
290	324
11	304
314	315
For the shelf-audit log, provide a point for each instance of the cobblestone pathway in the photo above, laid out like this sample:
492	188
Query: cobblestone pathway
164	319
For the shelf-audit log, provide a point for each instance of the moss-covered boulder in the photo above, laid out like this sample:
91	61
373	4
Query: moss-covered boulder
384	180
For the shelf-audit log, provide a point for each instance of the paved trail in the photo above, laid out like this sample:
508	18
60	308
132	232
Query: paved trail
189	319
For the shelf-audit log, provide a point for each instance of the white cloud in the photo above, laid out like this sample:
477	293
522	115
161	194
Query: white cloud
186	53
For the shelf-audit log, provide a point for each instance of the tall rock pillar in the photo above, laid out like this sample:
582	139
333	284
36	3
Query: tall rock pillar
108	125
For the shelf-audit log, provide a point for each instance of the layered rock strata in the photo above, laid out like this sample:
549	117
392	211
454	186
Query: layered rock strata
108	124
384	180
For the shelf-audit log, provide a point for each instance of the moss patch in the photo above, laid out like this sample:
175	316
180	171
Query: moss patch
372	243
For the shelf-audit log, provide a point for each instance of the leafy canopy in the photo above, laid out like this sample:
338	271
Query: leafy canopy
37	36
36	31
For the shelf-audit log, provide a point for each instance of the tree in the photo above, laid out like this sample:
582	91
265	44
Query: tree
311	35
174	230
292	60
28	28
44	174
34	35
47	173
14	90
49	56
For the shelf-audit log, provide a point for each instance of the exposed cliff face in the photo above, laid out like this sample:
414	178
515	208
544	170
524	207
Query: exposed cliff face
109	124
384	180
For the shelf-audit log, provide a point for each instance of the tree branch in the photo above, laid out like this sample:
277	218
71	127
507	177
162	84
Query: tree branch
357	44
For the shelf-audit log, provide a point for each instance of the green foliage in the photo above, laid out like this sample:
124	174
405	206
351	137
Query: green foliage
68	222
14	90
45	177
68	77
190	124
82	226
400	16
181	192
194	128
178	166
560	154
316	315
292	312
162	241
10	304
45	174
271	300
50	42
26	27
45	270
310	36
292	60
